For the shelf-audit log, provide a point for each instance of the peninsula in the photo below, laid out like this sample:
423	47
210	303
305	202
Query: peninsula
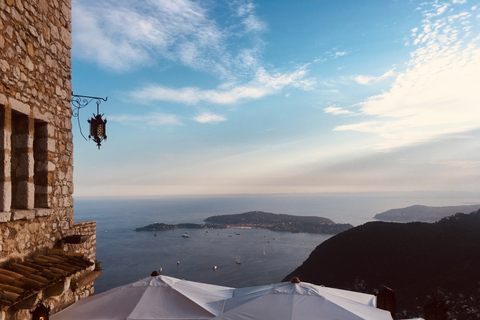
423	213
259	219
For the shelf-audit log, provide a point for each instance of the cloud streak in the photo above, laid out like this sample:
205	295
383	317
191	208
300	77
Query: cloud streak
438	92
208	117
262	85
153	120
338	111
367	80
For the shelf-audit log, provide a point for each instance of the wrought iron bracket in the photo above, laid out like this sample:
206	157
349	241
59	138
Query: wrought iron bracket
79	102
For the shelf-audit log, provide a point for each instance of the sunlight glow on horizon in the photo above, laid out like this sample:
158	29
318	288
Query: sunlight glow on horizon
210	101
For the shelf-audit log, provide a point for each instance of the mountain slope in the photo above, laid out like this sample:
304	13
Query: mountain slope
423	213
414	259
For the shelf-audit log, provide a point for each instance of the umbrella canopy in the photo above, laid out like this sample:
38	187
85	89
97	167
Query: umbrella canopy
159	297
301	301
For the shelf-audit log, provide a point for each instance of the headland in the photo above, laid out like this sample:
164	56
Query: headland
259	219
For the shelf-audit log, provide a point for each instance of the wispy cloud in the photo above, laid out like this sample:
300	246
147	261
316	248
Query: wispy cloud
208	117
338	111
366	80
154	119
262	85
251	22
123	35
438	92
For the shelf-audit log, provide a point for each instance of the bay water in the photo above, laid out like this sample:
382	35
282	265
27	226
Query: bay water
265	256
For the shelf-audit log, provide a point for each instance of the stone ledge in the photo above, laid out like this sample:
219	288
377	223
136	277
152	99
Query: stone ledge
43	212
23	215
88	278
15	215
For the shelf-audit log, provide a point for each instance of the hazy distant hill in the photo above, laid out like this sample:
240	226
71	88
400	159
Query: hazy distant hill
423	213
260	219
413	258
281	222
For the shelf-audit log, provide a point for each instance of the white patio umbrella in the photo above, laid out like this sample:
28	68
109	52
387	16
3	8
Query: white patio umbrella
292	301
155	297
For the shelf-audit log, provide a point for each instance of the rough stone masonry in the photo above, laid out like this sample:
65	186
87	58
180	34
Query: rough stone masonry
36	145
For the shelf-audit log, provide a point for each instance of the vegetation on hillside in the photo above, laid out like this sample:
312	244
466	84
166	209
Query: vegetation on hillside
423	213
259	219
281	222
416	259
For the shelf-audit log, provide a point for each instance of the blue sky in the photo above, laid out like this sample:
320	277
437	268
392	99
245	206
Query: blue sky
232	97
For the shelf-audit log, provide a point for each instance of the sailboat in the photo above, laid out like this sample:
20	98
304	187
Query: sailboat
237	260
263	251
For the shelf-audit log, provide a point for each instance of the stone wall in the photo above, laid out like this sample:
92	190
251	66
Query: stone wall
88	248
36	174
36	145
28	236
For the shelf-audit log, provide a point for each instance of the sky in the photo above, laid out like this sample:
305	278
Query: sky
264	97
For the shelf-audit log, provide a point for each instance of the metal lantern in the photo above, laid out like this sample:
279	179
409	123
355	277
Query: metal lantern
41	312
97	124
98	129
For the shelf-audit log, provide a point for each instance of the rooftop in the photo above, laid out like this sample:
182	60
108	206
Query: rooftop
22	281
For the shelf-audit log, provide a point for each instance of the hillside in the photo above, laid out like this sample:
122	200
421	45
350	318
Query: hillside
415	259
423	213
280	222
259	219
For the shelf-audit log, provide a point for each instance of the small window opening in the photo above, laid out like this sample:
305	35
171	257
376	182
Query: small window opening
5	156
40	156
20	173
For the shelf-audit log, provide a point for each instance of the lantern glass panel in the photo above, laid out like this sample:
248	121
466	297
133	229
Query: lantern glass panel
101	130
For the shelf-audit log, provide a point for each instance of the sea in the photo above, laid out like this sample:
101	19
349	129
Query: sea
227	257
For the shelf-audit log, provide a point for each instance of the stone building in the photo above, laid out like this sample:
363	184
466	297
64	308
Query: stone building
46	259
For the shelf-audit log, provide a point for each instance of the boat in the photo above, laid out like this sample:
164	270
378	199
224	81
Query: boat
186	235
237	261
214	267
263	251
